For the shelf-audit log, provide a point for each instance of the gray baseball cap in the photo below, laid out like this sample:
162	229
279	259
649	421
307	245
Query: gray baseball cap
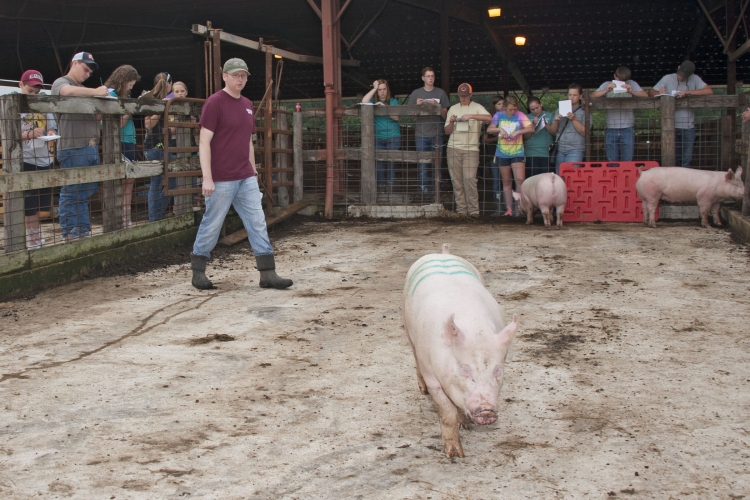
686	69
234	65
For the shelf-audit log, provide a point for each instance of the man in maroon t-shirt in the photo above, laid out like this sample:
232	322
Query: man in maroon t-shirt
226	155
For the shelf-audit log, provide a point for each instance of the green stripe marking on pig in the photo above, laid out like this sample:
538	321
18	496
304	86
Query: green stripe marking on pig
434	267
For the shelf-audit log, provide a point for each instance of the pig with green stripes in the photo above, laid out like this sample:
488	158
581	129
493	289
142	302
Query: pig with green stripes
459	339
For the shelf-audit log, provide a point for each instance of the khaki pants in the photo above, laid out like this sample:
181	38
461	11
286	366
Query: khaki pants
462	166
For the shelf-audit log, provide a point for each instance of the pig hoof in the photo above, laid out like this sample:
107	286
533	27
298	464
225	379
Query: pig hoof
424	391
453	450
466	422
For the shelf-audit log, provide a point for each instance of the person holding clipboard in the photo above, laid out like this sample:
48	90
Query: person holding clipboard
570	128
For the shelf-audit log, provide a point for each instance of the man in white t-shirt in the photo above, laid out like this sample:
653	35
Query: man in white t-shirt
683	83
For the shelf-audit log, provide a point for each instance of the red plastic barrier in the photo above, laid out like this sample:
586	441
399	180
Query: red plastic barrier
603	191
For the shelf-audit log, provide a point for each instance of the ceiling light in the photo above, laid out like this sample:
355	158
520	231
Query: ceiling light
520	40
277	56
494	11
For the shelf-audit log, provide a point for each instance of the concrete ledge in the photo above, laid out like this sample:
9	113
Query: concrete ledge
395	211
69	270
739	225
675	212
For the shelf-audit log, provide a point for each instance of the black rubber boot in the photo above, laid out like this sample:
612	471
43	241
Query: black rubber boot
198	264
268	277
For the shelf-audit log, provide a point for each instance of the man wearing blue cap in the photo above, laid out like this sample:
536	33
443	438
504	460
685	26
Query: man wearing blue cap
229	177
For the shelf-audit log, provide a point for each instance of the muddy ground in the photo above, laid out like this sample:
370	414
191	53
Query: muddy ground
628	378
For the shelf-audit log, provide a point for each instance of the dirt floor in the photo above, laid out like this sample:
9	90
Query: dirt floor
628	377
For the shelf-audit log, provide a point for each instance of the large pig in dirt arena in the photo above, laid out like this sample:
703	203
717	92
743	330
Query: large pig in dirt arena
543	191
459	339
684	185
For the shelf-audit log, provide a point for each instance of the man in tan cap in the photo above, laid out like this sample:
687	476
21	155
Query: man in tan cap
464	124
683	83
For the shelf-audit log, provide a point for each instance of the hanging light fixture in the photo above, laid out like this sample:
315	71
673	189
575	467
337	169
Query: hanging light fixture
520	40
494	11
277	56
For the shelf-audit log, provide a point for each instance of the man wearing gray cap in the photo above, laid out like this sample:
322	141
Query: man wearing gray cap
683	83
229	178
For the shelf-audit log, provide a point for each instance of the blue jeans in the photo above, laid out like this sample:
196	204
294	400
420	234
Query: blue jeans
75	219
495	171
158	203
536	165
245	196
569	156
426	186
683	146
389	167
620	143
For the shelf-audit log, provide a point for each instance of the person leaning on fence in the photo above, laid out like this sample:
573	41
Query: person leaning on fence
387	131
77	146
489	141
153	148
620	133
537	142
229	177
36	156
510	125
570	130
464	124
120	83
428	132
683	83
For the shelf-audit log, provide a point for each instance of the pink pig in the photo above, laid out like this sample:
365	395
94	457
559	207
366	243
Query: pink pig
543	191
683	185
459	340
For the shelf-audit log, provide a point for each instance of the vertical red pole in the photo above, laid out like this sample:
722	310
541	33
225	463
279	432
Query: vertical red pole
332	83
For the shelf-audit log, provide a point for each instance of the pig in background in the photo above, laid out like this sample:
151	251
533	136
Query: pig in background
684	185
459	340
543	191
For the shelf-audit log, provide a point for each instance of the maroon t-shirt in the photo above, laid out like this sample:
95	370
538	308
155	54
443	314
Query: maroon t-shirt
233	123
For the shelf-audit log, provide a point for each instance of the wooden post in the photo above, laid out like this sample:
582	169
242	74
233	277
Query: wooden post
298	160
216	61
268	124
111	190
183	203
727	142
13	205
368	189
746	165
667	130
587	122
282	159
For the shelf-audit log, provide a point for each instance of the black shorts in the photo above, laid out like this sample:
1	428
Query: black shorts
35	200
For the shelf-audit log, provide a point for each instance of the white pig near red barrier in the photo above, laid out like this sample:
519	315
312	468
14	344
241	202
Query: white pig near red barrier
543	191
459	339
685	185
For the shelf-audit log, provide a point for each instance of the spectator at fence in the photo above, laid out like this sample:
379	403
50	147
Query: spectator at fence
78	146
229	177
620	132
36	157
537	142
683	83
429	130
153	148
387	132
510	125
179	89
464	124
490	144
570	130
119	84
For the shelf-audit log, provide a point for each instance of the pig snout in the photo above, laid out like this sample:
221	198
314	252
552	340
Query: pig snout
484	416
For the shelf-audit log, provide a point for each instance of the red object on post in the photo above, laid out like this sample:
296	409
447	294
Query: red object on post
298	108
603	191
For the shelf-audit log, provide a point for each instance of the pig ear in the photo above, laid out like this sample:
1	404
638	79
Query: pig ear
729	175
507	333
516	196
452	335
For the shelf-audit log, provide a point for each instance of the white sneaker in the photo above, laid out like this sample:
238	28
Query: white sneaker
34	239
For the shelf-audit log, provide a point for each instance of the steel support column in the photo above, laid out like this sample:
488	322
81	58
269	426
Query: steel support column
268	140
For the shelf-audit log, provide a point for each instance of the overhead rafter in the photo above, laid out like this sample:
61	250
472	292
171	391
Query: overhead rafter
474	16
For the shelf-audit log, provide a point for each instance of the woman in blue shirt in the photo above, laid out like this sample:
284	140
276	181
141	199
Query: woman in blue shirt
387	131
120	83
